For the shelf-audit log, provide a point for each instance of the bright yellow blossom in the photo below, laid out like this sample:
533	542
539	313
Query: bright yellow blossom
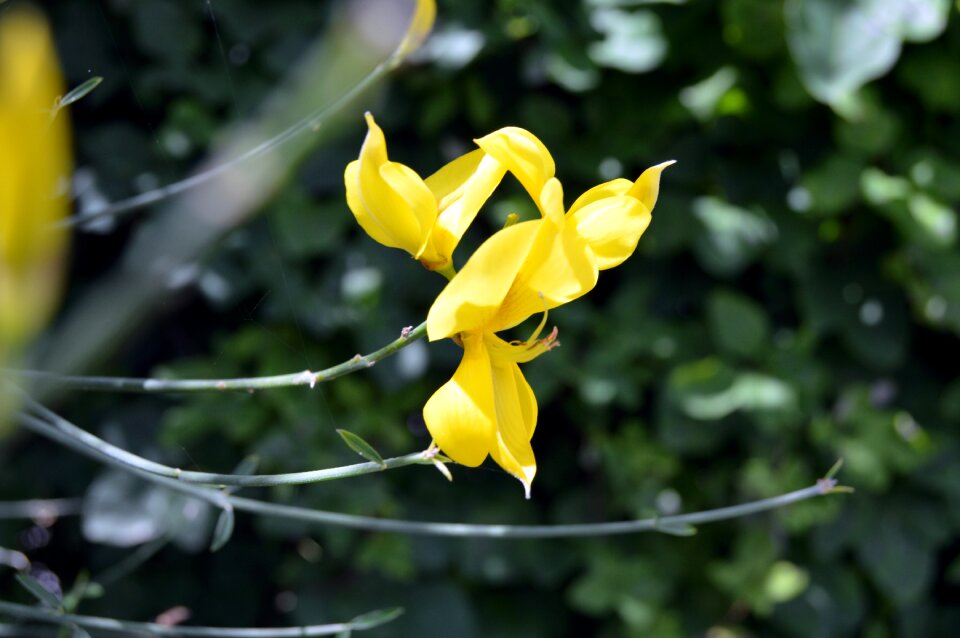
488	407
426	218
34	172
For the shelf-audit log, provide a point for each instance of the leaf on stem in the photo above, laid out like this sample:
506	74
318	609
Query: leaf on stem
223	530
675	529
376	618
361	447
79	92
41	593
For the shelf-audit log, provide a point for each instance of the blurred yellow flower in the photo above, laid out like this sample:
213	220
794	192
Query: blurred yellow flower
488	407
426	218
35	166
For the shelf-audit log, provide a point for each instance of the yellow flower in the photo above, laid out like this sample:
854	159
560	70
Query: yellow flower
426	218
488	407
540	264
34	168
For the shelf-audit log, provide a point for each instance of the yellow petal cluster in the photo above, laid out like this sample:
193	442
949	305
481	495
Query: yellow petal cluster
35	166
488	408
426	218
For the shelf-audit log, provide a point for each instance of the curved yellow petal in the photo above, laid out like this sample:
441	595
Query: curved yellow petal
523	154
461	188
647	186
611	226
516	409
462	415
35	166
389	200
561	268
416	198
473	297
619	186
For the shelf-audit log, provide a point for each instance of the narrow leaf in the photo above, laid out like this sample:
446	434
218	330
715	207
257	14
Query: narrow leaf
833	470
361	447
79	91
38	591
376	618
676	529
248	465
223	530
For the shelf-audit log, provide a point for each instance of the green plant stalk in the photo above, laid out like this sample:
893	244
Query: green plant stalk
40	508
56	427
25	612
160	386
460	530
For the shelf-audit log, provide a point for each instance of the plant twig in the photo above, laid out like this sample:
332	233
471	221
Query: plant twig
40	508
63	431
461	530
311	122
127	627
159	386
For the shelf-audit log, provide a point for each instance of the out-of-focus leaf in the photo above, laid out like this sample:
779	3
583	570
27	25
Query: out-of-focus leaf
38	591
633	41
732	237
840	45
737	323
223	530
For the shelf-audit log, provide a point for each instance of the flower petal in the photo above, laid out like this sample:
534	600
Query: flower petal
462	416
516	408
472	298
386	214
561	267
416	197
647	186
461	187
611	226
618	186
523	154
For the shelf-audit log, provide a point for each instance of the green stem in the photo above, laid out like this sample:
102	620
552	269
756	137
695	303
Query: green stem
159	386
309	123
461	530
40	614
59	429
40	508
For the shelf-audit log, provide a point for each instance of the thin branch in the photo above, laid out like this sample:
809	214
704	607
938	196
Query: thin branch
40	508
63	431
311	122
461	530
40	614
159	386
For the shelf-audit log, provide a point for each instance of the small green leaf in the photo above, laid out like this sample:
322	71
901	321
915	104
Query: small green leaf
361	447
834	469
376	618
676	529
223	529
39	592
79	91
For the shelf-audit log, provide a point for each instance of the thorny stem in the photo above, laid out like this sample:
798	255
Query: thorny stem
159	386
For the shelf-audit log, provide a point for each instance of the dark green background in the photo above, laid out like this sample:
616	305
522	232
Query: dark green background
796	300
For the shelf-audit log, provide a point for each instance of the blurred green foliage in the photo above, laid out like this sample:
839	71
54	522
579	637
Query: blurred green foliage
796	300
